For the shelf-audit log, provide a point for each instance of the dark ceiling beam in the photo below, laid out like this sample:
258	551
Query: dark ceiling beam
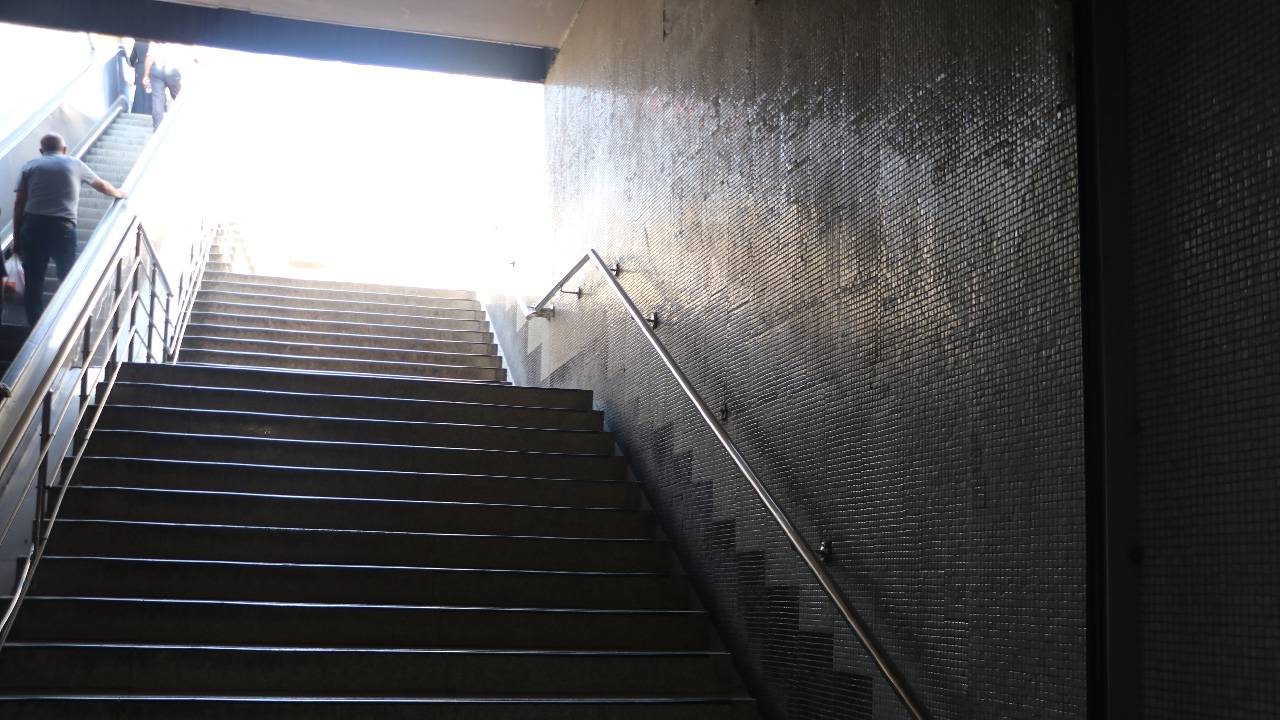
240	30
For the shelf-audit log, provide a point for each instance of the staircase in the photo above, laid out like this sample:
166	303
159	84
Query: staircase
334	507
112	156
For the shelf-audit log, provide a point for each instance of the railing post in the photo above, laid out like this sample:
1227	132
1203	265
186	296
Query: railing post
133	306
77	433
151	313
167	319
42	480
86	347
115	321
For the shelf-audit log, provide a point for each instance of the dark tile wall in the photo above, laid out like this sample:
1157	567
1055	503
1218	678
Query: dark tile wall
858	223
1205	133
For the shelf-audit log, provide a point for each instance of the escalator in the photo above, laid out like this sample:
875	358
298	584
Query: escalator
112	156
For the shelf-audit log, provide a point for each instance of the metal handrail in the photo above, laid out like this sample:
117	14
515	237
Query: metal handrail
11	141
188	288
811	559
24	128
127	294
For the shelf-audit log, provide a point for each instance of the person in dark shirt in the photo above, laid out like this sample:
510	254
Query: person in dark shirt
138	61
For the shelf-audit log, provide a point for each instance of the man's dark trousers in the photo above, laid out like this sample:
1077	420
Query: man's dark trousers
45	237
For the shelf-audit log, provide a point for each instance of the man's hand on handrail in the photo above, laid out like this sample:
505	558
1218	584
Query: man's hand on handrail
107	188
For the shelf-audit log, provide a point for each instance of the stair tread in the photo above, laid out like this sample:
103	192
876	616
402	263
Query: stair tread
319	499
357	532
358	455
481	609
472	347
293	301
357	566
315	349
89	459
387	368
423	320
245	398
329	649
381	431
245	286
343	285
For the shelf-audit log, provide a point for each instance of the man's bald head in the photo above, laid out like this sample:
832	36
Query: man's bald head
52	144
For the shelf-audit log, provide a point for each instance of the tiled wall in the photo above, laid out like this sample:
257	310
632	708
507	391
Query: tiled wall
858	223
1205	131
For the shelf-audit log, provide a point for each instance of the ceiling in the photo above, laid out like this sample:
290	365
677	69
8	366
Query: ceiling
540	23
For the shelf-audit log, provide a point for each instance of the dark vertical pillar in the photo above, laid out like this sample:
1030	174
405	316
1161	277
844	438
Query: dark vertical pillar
1114	634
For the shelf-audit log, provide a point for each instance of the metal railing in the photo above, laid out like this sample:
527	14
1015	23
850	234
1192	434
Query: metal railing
118	304
116	323
811	559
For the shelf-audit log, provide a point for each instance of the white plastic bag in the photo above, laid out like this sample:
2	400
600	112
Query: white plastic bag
15	280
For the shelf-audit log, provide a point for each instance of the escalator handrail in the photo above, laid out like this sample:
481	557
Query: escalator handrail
96	61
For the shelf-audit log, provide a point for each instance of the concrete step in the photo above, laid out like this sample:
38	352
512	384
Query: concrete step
276	543
219	622
351	330
352	456
246	284
297	583
397	320
315	302
194	341
227	707
399	388
87	502
89	668
236	332
340	365
324	285
356	430
288	480
352	406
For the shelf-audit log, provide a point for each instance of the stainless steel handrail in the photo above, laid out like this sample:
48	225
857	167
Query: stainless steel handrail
886	667
80	335
188	288
96	60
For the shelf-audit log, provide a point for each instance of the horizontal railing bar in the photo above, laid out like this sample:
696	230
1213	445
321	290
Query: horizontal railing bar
811	560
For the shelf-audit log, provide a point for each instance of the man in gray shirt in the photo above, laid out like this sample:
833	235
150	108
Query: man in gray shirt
44	215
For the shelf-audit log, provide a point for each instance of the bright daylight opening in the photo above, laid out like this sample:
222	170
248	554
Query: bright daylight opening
386	175
336	170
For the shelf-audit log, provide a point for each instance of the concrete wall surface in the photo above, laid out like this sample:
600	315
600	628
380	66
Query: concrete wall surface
858	223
